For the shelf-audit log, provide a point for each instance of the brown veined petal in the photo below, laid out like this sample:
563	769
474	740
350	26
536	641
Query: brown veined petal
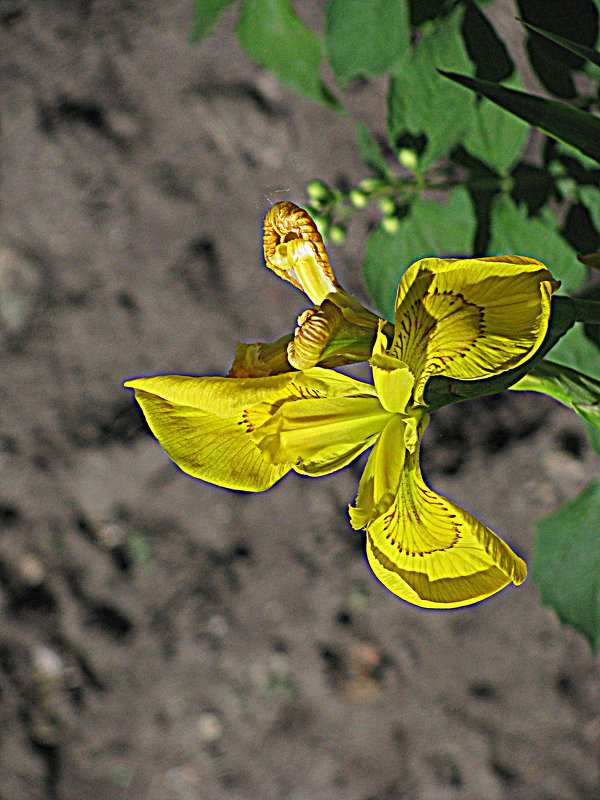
470	318
431	552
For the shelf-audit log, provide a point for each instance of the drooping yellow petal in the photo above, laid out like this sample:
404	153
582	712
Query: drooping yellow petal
431	552
200	424
392	378
470	318
209	426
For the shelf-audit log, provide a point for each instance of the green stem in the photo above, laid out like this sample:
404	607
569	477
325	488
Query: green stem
587	311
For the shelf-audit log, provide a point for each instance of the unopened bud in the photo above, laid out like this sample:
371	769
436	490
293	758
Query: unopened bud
317	191
408	158
390	225
387	206
337	234
358	199
370	185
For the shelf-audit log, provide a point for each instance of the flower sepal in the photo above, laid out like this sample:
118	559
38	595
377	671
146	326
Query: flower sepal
442	390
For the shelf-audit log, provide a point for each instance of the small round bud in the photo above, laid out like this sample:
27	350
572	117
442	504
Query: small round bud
567	187
556	169
408	158
317	191
358	199
390	225
387	206
337	234
370	185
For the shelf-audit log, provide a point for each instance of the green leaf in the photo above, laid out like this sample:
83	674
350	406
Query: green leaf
371	152
272	34
570	125
574	47
421	102
512	231
590	197
571	388
497	137
485	48
567	563
363	37
577	351
429	229
206	13
586	162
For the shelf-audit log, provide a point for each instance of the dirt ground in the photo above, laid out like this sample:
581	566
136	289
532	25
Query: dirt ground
164	639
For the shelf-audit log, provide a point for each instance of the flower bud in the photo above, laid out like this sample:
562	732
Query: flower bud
318	191
390	225
337	234
408	158
358	199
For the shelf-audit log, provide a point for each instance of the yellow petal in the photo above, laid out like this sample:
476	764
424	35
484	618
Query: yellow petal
392	378
431	552
470	318
200	424
297	262
332	419
321	435
380	481
294	250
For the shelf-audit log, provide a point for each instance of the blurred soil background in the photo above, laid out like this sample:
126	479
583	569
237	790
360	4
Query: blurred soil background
164	639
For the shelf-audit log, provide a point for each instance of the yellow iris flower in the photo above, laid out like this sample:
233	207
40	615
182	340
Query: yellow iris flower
467	319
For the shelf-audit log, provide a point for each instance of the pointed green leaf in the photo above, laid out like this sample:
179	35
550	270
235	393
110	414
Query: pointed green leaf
421	102
363	37
566	563
206	13
570	125
272	34
429	229
512	231
574	47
